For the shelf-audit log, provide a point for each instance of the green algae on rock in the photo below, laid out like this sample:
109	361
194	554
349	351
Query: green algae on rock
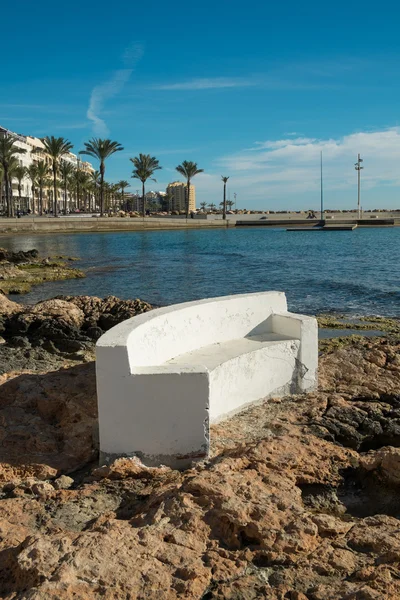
19	271
367	323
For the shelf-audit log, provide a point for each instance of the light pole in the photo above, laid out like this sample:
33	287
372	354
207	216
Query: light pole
234	195
322	193
358	168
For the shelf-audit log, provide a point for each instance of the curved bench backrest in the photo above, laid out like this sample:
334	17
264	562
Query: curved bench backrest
160	335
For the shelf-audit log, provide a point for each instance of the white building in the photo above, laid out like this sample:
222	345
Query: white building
34	152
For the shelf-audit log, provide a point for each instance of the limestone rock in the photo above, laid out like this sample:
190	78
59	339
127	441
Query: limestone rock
386	460
63	483
42	489
8	307
108	312
275	513
123	468
59	310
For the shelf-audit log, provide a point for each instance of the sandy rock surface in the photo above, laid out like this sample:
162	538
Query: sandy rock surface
299	500
7	306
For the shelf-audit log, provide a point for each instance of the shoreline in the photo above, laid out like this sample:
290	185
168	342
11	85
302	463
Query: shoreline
51	225
105	225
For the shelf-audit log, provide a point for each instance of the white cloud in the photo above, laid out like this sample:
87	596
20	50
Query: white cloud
207	83
288	170
111	88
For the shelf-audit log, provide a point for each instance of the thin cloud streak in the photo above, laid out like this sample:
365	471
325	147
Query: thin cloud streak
103	92
207	84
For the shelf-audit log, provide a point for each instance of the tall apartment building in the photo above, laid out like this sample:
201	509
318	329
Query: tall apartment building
34	151
177	191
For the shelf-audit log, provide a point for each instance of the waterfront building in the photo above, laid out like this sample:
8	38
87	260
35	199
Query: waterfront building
177	192
133	201
34	152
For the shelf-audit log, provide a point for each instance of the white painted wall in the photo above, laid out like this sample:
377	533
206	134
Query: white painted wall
163	375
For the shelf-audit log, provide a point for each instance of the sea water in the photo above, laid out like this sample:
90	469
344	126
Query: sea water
351	272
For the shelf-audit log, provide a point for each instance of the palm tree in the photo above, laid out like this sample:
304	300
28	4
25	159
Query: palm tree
56	148
31	172
229	204
122	185
1	186
212	206
225	180
13	167
48	184
66	170
95	175
145	166
42	173
81	180
114	193
86	183
101	149
203	206
107	192
188	170
19	173
8	151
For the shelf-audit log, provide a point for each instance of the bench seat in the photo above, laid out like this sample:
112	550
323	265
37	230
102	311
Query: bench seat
164	376
215	355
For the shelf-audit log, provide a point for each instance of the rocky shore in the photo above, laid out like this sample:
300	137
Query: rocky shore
65	328
298	502
20	270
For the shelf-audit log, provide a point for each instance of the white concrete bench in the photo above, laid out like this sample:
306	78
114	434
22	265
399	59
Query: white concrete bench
165	375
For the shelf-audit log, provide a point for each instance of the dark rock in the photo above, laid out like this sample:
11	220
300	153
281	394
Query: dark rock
70	346
28	359
363	423
18	257
16	324
107	321
19	342
49	346
94	332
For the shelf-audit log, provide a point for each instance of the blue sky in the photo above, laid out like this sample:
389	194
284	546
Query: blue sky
252	91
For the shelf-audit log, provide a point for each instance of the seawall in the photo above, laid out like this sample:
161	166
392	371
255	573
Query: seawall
97	224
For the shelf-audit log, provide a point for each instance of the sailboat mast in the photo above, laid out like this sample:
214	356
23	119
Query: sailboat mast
322	192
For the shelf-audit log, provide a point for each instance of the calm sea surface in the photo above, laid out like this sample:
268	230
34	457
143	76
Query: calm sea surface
354	272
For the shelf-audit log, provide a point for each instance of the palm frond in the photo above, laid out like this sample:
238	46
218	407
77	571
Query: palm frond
145	165
188	169
56	148
101	149
8	149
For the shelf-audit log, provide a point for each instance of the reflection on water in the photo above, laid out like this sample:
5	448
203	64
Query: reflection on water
353	272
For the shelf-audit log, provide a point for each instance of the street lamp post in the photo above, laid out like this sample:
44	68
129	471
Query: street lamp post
234	195
358	168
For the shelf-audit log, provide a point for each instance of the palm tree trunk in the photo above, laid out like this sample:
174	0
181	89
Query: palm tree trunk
33	199
102	189
12	203
55	189
187	198
19	196
143	199
41	200
7	191
65	197
224	205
